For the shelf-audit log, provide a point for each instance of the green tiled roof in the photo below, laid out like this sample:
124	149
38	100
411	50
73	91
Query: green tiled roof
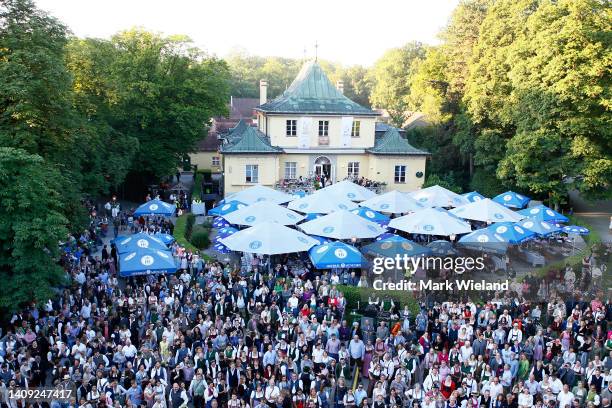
247	139
393	143
313	93
234	133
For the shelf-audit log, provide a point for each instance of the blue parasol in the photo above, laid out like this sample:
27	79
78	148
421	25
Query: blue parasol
219	222
576	229
512	200
543	213
393	245
155	207
511	232
335	255
226	208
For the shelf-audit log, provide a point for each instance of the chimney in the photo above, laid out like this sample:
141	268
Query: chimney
340	85
263	91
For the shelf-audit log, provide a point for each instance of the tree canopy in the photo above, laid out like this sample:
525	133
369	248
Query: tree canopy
523	87
77	117
246	70
32	223
391	78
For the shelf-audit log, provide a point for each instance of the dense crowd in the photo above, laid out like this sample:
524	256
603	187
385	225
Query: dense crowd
266	336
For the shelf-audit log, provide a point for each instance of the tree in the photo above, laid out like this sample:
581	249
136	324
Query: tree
560	101
150	96
36	114
357	84
107	153
247	70
429	87
35	96
447	181
391	78
31	226
459	37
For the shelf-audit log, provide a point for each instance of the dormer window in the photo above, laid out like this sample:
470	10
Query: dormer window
292	127
324	128
356	128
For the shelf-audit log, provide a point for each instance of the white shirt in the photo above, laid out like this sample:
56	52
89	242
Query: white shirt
293	302
565	398
495	390
129	351
556	386
272	392
525	400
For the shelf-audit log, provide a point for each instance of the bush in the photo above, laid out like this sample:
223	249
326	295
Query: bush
190	220
200	237
486	183
447	181
196	193
354	294
180	230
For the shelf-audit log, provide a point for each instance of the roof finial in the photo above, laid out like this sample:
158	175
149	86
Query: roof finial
316	51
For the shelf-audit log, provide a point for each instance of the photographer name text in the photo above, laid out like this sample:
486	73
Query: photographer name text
448	285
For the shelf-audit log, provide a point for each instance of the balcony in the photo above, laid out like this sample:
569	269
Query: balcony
323	140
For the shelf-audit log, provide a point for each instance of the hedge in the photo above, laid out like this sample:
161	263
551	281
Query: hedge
354	294
196	193
182	231
200	237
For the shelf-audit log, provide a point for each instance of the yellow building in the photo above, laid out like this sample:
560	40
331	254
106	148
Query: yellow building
313	129
207	156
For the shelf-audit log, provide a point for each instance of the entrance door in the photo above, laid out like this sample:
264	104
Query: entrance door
323	166
327	171
318	169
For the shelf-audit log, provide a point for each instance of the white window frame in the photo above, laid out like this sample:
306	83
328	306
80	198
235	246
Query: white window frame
290	170
356	128
215	161
399	174
352	169
291	128
323	128
252	173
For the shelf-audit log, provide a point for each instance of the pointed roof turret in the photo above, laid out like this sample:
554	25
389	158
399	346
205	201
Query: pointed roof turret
393	143
312	92
248	139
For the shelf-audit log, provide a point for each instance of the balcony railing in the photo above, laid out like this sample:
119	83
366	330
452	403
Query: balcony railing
323	140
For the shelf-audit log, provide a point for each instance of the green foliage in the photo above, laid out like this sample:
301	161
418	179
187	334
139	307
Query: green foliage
459	38
429	85
200	237
539	92
447	181
189	223
159	92
197	186
183	229
391	78
560	100
522	87
445	163
355	294
31	226
246	70
486	183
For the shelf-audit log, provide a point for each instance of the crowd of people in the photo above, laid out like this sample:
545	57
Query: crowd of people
261	336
